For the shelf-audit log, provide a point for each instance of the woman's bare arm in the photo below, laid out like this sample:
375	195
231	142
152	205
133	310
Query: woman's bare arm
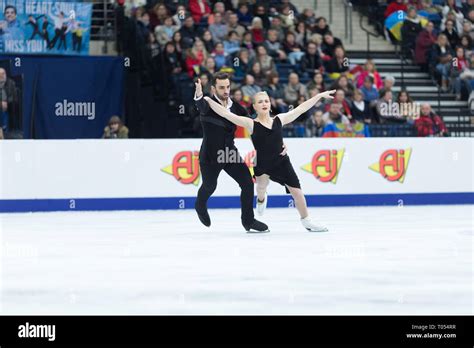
235	119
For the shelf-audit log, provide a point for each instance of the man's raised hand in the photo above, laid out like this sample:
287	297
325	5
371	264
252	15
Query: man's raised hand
198	88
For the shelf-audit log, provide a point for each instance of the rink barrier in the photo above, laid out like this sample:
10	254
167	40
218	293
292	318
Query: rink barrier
173	203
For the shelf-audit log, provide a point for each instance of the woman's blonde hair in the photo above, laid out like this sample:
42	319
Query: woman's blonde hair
254	98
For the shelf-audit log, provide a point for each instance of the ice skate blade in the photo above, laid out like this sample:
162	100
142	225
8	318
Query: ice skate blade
322	230
255	231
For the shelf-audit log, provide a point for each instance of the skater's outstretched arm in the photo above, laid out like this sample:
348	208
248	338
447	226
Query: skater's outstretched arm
292	115
223	112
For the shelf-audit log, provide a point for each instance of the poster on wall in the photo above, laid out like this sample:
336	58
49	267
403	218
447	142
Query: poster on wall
45	27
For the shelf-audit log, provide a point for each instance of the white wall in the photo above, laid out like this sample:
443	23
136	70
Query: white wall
32	169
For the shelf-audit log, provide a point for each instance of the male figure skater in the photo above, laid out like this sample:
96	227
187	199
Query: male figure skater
218	138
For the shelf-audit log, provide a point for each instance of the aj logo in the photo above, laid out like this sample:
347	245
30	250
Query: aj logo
393	164
185	167
325	165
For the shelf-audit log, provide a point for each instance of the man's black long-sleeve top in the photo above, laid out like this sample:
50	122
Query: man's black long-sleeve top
218	132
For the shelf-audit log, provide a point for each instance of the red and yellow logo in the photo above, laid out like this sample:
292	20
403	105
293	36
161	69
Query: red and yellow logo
393	164
325	165
185	167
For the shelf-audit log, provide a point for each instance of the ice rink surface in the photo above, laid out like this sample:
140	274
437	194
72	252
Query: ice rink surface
374	260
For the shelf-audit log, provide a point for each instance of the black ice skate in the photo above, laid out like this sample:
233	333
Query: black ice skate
256	227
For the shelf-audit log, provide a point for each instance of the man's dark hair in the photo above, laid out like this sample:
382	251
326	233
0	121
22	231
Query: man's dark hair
220	76
7	7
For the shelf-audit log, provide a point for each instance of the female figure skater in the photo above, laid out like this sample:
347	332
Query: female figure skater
267	138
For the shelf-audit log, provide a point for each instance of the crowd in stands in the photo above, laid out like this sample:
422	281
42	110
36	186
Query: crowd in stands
291	54
439	36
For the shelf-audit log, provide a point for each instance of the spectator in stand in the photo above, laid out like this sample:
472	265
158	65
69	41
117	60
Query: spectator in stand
238	97
467	29
314	125
398	5
233	25
330	43
278	27
451	33
189	32
345	85
245	17
195	57
219	55
218	29
200	10
273	46
317	83
429	124
340	98
242	64
293	50
258	75
285	3
247	42
261	12
308	18
164	33
467	7
206	86
441	56
311	63
301	34
369	70
410	30
360	109
334	115
451	11
210	67
178	42
143	27
208	41
180	15
115	129
368	89
265	60
218	8
466	43
425	40
288	19
258	35
232	43
322	27
158	16
388	83
337	65
249	88
294	89
470	17
459	66
406	106
385	110
276	92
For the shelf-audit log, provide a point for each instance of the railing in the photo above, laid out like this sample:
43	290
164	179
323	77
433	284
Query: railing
348	20
369	34
104	24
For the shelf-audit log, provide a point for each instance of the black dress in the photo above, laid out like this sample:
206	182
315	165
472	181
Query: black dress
268	144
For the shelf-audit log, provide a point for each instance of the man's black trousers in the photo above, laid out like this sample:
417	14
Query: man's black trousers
240	173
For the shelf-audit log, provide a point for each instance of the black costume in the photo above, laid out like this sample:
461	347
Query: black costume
268	144
218	134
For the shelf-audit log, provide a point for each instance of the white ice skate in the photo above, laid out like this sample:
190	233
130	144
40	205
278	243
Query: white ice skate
311	226
261	206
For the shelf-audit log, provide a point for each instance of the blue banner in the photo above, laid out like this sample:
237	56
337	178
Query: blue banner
69	97
45	27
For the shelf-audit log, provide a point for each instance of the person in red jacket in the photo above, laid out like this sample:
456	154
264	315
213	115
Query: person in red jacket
199	10
429	124
425	40
398	5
